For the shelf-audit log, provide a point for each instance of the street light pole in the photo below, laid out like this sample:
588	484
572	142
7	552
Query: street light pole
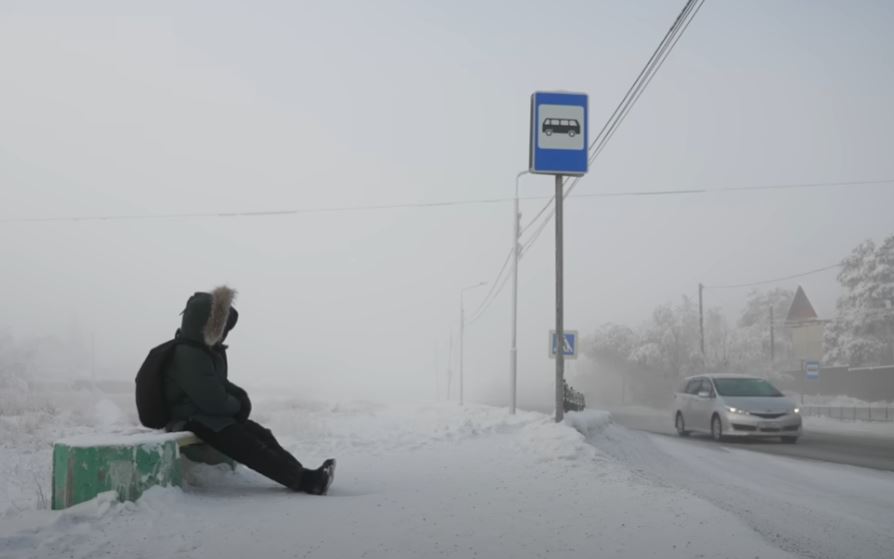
513	348
701	320
462	327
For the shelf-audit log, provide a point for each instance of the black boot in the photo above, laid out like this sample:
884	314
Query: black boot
317	482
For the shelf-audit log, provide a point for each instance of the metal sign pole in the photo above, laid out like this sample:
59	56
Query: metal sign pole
559	146
560	331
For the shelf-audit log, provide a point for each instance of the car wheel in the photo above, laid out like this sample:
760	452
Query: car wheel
789	440
680	424
571	133
716	428
549	132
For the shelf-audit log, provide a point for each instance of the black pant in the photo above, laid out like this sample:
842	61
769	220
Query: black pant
254	446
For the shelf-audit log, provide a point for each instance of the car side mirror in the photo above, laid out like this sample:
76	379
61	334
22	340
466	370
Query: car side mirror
704	394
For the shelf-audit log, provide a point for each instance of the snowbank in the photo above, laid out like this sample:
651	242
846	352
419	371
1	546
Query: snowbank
588	422
33	415
838	401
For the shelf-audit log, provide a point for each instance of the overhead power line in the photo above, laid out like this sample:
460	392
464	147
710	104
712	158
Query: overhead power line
728	189
655	62
495	287
774	280
440	204
261	213
487	303
659	55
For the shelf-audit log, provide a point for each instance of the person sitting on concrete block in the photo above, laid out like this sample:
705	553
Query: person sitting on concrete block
200	398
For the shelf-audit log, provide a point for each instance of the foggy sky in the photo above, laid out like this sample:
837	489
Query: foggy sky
107	109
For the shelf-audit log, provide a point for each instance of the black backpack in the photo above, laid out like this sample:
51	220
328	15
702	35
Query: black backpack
150	395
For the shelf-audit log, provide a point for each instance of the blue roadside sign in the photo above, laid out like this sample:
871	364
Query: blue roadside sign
812	369
569	348
559	133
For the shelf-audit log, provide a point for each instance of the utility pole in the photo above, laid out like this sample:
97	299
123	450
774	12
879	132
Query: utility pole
436	362
701	319
93	360
560	305
450	365
772	338
513	346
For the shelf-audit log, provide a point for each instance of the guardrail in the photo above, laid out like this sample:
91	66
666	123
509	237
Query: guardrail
850	413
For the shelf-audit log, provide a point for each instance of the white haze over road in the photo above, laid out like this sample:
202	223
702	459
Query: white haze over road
110	108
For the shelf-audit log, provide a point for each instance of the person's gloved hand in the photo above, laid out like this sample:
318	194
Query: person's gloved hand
244	407
244	402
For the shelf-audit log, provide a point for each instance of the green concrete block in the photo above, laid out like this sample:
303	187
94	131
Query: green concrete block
87	466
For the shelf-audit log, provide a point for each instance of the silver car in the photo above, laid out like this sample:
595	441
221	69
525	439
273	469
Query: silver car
735	406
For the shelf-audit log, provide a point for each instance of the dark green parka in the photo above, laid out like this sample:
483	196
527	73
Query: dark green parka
196	385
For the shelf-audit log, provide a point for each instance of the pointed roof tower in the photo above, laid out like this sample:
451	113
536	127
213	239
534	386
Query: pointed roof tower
801	309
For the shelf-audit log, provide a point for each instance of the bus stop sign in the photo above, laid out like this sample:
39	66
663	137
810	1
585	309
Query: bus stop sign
559	134
812	370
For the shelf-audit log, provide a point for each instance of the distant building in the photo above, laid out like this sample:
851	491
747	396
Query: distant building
806	328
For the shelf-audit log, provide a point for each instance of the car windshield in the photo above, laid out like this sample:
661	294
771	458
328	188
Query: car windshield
745	387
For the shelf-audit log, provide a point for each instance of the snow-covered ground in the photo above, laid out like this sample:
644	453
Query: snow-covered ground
829	425
438	480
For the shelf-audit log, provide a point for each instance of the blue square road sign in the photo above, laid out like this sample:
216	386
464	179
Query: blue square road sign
812	369
569	348
559	133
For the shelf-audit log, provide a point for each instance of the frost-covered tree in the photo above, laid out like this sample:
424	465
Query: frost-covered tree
670	343
718	340
758	304
666	348
750	350
10	358
612	344
862	331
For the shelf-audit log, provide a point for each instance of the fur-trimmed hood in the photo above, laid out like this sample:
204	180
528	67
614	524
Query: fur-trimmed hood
208	317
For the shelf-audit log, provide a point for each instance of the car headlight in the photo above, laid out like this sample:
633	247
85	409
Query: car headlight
738	411
796	410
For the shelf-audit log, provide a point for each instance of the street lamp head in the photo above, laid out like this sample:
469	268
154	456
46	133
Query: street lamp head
474	286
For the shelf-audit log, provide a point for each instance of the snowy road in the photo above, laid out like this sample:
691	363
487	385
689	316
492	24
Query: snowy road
869	448
815	510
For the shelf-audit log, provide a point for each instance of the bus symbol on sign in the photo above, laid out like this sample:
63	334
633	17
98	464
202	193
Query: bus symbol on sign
561	126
